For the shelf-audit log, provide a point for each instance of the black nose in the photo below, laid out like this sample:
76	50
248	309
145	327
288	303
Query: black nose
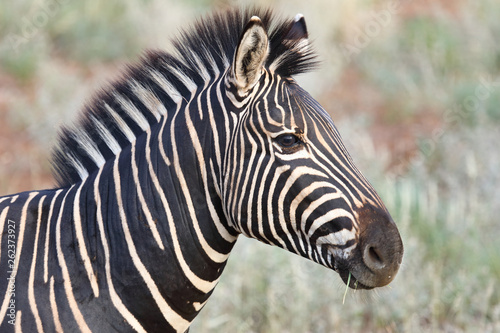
381	248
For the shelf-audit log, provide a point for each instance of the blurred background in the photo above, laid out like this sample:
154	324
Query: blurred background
414	89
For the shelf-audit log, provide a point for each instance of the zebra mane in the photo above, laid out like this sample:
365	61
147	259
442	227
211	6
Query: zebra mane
125	109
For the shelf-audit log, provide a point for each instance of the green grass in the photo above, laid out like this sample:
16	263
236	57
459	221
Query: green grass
445	200
22	66
108	29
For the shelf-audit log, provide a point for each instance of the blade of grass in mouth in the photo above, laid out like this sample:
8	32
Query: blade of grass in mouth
346	287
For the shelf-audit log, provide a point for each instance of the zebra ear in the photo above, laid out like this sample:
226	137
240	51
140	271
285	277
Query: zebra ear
250	56
298	34
298	29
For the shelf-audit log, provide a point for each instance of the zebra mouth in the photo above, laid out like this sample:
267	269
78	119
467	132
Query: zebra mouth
351	280
345	270
348	269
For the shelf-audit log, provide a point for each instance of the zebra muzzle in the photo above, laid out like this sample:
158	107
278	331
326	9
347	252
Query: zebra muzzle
380	248
376	259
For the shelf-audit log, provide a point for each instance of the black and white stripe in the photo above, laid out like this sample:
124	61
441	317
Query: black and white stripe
168	166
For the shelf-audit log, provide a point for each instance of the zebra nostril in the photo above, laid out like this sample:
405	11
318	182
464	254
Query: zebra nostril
373	258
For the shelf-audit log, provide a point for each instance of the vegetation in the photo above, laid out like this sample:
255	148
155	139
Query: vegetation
415	91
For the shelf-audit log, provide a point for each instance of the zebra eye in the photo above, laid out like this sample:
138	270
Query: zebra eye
288	140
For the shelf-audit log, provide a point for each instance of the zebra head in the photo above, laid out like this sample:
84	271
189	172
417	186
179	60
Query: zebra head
288	179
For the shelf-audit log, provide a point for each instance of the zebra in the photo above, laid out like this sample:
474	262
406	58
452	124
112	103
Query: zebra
168	165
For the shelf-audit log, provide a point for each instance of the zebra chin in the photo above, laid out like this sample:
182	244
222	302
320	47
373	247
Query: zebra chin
373	258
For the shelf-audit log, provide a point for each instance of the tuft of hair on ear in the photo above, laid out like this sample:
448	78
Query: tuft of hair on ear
291	50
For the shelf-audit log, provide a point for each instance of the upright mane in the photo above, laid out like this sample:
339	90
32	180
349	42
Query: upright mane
125	109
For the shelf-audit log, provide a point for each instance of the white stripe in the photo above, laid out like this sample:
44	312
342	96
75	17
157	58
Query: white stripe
249	203
278	89
200	66
17	325
341	168
47	237
19	248
3	217
278	172
53	307
255	182
306	191
132	111
224	113
185	80
77	218
225	60
122	125
82	325
202	285
149	99
337	238
110	140
269	83
238	105
115	299
211	253
333	165
208	56
285	91
14	198
202	107
278	60
299	154
174	319
144	205
316	203
214	176
235	167
168	87
31	280
329	216
77	165
213	125
89	146
294	176
197	145
312	207
160	138
261	188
